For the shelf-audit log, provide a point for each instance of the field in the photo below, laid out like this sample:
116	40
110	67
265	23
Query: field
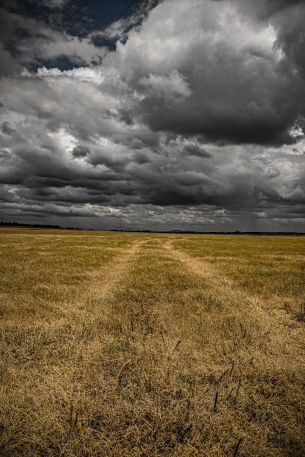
121	344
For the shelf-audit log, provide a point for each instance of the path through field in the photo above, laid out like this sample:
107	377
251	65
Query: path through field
281	325
102	287
131	345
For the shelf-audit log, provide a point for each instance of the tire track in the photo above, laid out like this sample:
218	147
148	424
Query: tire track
103	285
282	326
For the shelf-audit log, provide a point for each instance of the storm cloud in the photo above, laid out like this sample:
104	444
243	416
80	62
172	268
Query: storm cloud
182	114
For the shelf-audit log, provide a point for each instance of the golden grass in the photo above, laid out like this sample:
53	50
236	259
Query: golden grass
136	345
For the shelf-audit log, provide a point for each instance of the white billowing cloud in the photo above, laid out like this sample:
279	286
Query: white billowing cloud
42	43
177	29
63	140
49	45
85	74
79	50
228	63
172	85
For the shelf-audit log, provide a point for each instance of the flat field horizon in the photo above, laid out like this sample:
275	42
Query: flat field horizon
145	344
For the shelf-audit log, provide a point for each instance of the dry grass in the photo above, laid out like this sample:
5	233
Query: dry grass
147	345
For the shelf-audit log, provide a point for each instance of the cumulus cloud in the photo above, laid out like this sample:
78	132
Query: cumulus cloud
242	91
119	29
33	41
195	120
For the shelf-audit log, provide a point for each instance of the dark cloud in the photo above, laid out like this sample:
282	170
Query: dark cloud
194	119
195	150
6	129
233	82
291	38
80	151
267	9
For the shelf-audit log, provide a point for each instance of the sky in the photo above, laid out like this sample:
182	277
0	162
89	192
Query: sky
160	115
